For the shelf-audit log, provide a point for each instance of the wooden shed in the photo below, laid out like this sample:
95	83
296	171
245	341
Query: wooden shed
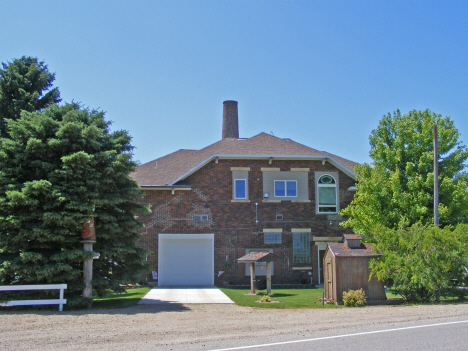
347	268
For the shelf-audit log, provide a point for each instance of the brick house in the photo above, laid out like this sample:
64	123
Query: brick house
241	195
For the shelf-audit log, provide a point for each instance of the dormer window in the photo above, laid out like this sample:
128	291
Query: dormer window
327	194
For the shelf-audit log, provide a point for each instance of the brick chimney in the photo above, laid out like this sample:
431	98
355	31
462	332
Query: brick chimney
230	120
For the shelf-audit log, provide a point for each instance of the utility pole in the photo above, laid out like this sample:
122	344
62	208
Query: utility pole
436	179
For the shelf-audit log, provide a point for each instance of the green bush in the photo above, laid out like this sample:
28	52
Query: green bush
266	298
354	298
423	262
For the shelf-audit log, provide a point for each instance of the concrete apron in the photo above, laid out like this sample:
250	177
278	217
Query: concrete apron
185	295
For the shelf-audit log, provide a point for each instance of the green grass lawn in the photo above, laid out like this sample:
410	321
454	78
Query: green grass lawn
287	298
120	300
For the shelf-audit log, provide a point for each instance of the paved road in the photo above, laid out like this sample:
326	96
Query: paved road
440	334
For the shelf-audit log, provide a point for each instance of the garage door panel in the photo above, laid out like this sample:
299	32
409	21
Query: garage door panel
186	261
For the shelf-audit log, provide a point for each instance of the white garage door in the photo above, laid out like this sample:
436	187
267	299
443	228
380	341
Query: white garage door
186	259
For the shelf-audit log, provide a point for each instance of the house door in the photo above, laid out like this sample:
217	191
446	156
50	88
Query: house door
321	264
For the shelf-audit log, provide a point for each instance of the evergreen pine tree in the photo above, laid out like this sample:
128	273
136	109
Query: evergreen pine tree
24	85
55	167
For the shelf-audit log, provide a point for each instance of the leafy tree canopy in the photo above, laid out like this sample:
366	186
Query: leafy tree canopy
55	167
423	262
399	185
24	85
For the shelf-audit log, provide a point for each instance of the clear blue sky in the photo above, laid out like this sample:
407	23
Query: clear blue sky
322	73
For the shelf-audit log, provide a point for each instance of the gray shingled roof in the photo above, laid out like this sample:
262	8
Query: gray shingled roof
172	168
343	250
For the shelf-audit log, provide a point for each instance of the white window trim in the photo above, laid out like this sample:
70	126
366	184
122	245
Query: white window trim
285	187
245	190
337	193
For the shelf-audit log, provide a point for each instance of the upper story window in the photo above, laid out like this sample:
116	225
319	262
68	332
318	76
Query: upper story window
327	194
240	189
240	184
290	185
285	188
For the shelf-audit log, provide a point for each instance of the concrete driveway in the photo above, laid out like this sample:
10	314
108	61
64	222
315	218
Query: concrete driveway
185	295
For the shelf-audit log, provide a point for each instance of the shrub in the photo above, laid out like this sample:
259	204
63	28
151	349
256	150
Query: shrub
354	298
266	298
423	262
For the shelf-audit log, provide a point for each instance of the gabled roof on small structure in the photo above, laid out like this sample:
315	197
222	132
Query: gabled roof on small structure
343	250
175	167
256	257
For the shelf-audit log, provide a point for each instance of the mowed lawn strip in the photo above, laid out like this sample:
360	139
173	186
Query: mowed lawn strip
286	298
120	300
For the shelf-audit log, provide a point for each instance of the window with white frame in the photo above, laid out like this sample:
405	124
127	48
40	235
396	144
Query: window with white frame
285	188
327	194
285	185
240	189
260	267
272	238
301	247
240	184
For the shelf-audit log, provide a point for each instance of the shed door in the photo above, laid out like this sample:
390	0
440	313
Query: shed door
186	259
329	279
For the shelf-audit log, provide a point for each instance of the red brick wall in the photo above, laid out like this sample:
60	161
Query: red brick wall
233	224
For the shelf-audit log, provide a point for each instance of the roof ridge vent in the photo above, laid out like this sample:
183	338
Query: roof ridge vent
353	241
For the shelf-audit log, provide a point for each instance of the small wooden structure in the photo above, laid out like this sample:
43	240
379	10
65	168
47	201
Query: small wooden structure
347	268
258	257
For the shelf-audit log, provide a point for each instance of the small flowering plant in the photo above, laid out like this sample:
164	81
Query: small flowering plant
327	301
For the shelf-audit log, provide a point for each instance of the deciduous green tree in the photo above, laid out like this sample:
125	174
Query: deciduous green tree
399	185
25	86
55	167
423	262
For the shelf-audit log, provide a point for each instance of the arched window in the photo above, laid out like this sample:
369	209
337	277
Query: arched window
327	196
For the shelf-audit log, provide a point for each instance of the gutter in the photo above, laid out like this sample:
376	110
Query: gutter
166	187
322	158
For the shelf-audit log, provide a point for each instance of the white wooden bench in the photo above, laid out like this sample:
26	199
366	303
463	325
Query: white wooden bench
60	301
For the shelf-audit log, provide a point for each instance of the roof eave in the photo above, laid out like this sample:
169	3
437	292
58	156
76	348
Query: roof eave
166	187
330	159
